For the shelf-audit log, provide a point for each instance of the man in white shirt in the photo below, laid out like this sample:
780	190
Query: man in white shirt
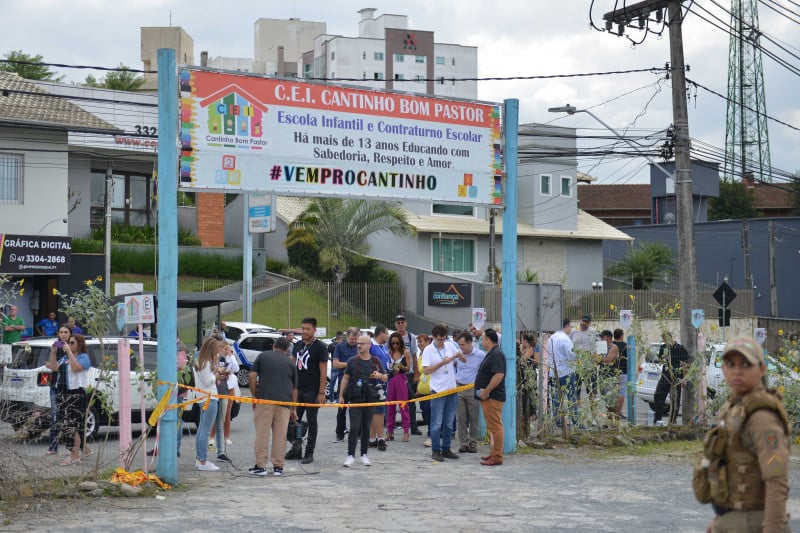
437	362
562	360
584	340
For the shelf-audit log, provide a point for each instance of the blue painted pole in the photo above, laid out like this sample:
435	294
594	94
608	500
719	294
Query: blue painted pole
167	468
509	292
632	376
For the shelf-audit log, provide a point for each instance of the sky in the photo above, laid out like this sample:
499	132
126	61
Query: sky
514	38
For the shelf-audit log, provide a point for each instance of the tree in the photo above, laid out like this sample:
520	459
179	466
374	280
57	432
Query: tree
118	80
29	67
735	201
644	263
795	188
339	228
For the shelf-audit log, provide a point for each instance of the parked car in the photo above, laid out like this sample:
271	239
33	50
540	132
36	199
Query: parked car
650	371
249	346
234	330
25	395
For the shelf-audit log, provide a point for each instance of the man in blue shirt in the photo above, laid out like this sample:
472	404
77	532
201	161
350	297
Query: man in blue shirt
47	327
344	351
468	408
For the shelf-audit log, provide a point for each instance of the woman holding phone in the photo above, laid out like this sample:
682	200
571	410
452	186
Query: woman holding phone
73	372
57	353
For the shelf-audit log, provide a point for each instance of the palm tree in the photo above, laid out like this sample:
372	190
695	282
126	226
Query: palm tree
644	263
339	228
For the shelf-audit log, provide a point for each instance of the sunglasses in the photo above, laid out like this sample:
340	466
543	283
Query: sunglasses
72	342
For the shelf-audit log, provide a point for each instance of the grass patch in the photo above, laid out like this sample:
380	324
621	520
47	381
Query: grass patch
678	449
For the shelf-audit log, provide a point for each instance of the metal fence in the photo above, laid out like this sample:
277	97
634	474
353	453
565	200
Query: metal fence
336	306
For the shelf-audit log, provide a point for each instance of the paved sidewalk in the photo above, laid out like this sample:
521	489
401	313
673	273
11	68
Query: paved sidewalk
404	490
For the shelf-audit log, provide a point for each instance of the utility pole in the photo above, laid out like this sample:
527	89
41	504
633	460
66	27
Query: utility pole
683	175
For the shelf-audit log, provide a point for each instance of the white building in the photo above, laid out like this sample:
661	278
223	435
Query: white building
388	54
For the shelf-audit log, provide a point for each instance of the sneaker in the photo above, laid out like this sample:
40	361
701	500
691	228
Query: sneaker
208	467
448	454
228	441
416	432
428	443
365	461
224	458
257	471
373	443
277	471
308	459
349	460
381	445
464	449
212	446
660	423
437	456
338	439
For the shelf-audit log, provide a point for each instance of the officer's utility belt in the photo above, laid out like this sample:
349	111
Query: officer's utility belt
719	510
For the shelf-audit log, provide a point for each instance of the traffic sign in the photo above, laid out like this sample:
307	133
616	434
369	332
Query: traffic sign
724	294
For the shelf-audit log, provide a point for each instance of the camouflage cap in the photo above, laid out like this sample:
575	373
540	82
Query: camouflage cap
748	347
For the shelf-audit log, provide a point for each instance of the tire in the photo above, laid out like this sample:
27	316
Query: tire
92	423
243	377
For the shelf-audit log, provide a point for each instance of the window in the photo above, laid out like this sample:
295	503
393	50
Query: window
130	198
378	76
308	70
11	179
454	61
419	59
364	54
566	186
399	77
440	60
378	56
399	58
457	210
333	74
544	184
333	55
453	255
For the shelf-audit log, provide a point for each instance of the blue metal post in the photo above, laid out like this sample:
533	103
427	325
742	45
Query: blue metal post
167	468
632	376
509	292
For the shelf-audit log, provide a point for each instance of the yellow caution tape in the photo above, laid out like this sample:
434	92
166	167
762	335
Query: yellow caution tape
137	478
205	397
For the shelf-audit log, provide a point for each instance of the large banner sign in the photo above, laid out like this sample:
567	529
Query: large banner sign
294	138
35	254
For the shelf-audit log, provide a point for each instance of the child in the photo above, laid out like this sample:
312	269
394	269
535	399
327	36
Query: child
744	469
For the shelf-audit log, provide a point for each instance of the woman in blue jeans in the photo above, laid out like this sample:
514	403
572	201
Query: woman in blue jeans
205	377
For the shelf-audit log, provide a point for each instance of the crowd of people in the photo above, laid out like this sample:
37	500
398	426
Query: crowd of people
370	374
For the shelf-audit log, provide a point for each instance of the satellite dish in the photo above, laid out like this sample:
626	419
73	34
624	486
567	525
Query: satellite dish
669	218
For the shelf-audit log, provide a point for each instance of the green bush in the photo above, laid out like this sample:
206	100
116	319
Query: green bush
307	259
125	234
127	260
275	266
87	246
369	271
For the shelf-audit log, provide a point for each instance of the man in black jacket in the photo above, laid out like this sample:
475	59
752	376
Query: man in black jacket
674	359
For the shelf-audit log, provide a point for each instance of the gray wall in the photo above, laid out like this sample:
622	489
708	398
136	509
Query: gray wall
720	253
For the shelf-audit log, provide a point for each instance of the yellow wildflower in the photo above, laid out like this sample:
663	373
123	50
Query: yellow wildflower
21	292
783	359
781	389
797	440
22	282
713	327
780	332
611	307
671	311
677	306
55	291
88	283
99	279
631	297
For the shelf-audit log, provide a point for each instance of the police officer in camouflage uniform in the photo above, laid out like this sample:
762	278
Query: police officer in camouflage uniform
743	472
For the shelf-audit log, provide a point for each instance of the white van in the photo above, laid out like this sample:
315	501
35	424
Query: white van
25	389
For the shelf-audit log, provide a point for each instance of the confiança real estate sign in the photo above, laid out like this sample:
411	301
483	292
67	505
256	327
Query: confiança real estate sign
254	134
